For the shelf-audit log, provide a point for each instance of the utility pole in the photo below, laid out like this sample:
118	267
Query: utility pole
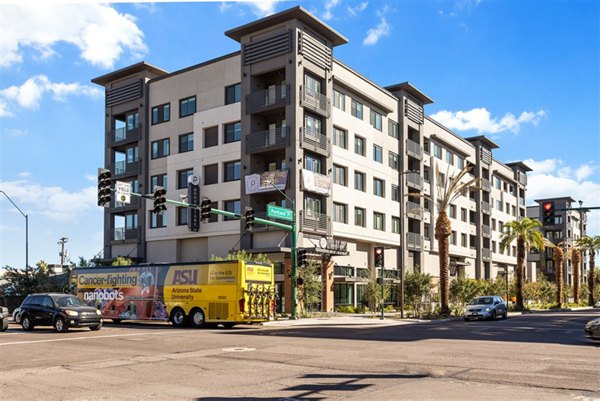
62	243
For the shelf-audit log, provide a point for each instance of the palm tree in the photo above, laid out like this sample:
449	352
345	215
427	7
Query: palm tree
558	256
525	232
591	245
575	259
449	189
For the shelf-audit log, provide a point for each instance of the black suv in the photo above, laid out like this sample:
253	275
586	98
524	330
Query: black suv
59	310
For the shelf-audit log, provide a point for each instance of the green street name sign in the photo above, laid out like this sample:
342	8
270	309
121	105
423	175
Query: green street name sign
280	213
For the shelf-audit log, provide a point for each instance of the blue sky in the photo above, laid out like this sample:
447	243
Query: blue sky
524	73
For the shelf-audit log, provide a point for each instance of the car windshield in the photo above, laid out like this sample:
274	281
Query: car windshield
481	301
68	301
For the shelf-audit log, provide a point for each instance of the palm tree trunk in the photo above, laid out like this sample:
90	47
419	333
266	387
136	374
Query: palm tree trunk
575	259
443	229
558	257
591	278
520	267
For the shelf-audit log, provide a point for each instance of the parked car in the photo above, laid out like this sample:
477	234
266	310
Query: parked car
4	315
597	304
61	311
487	307
592	329
16	315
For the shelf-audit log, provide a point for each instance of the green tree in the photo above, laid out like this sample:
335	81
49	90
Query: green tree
449	189
525	232
39	279
540	291
416	286
311	290
372	292
462	290
122	261
241	254
575	260
591	245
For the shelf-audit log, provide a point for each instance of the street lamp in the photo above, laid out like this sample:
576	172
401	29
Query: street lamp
401	258
26	234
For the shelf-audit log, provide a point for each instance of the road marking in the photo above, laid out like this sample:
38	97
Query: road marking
80	338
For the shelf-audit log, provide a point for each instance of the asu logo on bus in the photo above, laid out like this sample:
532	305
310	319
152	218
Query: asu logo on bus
185	277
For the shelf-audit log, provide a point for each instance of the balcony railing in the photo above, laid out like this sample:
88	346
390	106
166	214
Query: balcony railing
485	185
268	99
124	135
414	149
414	180
263	141
315	222
124	167
315	101
414	241
123	234
315	141
485	207
486	254
485	230
413	210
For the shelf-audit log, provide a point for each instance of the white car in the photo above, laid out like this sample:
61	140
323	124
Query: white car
16	315
597	304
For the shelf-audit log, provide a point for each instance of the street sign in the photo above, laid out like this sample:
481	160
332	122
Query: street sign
280	213
123	190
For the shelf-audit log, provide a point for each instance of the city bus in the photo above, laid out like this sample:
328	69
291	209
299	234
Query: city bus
194	294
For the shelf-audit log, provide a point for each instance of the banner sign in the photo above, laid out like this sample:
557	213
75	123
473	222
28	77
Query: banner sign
316	182
256	183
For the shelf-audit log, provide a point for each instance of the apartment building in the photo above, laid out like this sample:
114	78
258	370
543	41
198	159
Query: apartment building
567	223
282	122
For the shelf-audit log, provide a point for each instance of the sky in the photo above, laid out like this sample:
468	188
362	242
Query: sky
524	73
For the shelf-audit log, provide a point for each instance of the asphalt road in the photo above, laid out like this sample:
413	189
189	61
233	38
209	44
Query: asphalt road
528	357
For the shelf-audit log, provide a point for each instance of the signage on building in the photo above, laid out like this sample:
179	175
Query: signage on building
316	182
266	182
333	246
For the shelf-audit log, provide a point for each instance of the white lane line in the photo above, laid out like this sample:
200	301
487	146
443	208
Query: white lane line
80	338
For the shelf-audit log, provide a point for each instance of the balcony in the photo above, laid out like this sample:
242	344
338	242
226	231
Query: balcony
122	136
315	101
414	149
318	223
414	241
315	182
414	180
125	234
486	254
413	210
485	185
268	99
485	231
485	207
315	141
265	141
125	168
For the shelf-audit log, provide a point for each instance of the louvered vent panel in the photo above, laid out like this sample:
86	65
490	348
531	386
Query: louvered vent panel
124	93
267	48
314	51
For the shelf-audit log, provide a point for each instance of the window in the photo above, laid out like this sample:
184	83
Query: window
161	114
313	125
213	216
393	160
233	132
359	217
356	109
312	84
498	204
312	206
158	181
393	129
158	220
211	174
340	213
452	211
377	154
160	148
437	151
182	177
378	187
359	181
313	163
395	193
232	206
453	238
339	100
378	221
497	183
426	231
376	120
186	142
232	170
233	93
449	157
339	175
460	162
182	216
187	106
359	145
426	146
340	138
395	225
463	214
211	137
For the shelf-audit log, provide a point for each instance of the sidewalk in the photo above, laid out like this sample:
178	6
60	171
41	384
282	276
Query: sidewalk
345	320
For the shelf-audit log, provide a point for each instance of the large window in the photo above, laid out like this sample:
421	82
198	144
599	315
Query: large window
159	180
211	137
359	145
312	206
395	225
378	153
340	138
313	125
182	216
343	294
312	84
313	163
339	175
393	129
161	114
182	177
449	157
340	213
186	142
376	120
233	93
339	100
232	206
160	148
359	181
356	109
378	187
378	221
360	217
158	220
233	132
187	106
211	174
437	151
232	171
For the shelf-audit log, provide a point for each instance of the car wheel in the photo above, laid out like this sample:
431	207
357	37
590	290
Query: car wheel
60	326
178	317
197	318
96	327
26	323
17	318
505	315
493	315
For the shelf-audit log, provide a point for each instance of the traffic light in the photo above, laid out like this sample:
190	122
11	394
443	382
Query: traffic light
249	216
193	213
548	213
205	208
160	199
379	256
104	191
302	258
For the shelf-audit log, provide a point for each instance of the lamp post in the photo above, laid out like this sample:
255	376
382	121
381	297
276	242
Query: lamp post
26	234
401	258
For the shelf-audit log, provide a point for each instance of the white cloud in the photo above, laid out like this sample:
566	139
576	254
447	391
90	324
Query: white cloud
329	6
353	11
100	33
30	93
480	119
374	34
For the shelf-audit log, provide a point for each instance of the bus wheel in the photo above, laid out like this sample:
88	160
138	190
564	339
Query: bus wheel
116	320
197	318
178	317
228	325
